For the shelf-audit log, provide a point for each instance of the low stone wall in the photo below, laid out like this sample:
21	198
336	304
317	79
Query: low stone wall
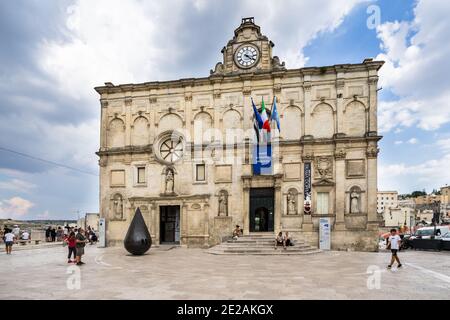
343	240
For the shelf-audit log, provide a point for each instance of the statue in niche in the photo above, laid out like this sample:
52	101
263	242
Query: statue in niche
291	203
223	204
354	202
170	181
118	207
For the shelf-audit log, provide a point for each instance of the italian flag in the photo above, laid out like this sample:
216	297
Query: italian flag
264	117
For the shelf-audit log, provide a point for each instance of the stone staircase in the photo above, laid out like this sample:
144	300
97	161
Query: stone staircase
260	244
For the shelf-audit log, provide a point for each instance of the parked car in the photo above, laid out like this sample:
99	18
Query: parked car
445	239
430	232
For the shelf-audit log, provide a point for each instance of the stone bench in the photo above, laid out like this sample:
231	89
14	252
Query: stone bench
25	242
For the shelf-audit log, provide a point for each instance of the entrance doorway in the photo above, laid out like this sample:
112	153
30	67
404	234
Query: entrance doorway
262	210
169	228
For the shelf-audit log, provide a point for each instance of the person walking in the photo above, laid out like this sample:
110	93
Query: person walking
394	242
53	234
9	241
80	244
72	245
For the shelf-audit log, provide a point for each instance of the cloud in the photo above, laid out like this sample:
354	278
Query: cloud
398	142
443	144
413	141
416	70
404	177
43	216
17	185
15	207
123	44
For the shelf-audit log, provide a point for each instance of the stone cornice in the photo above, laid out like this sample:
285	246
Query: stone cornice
260	74
149	148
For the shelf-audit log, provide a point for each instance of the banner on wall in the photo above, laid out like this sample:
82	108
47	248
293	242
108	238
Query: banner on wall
307	187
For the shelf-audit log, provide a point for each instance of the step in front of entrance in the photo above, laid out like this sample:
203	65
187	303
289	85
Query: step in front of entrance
260	244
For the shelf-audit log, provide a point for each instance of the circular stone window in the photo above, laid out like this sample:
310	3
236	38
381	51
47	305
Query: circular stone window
170	147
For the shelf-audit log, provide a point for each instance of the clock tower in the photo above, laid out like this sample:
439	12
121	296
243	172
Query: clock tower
249	51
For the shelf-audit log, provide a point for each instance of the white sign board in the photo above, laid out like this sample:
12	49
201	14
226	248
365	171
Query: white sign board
102	233
324	234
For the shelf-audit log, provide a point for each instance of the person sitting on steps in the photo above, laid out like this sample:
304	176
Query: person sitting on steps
279	241
237	232
288	240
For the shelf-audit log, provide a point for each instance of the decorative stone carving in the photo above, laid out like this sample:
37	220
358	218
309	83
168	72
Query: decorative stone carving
118	207
223	204
372	152
308	156
170	182
277	89
128	101
247	91
291	202
324	167
354	202
340	154
277	64
218	70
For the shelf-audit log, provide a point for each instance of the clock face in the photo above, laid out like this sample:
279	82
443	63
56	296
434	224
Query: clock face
247	56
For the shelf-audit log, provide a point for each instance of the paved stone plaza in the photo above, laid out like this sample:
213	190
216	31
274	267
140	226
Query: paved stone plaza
180	273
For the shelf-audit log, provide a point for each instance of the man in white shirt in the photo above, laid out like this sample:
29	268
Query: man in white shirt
9	241
25	235
16	231
394	244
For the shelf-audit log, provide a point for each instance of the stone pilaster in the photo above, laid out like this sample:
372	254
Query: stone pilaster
340	188
373	100
278	203
246	205
128	102
372	220
307	101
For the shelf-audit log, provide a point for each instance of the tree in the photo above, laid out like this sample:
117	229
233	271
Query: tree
416	194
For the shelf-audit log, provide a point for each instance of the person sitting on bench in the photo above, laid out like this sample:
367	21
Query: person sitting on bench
279	241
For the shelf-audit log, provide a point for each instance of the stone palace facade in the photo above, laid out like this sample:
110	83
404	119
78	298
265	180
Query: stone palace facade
181	151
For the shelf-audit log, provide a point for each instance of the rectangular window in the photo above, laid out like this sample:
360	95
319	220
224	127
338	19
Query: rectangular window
322	202
141	175
200	172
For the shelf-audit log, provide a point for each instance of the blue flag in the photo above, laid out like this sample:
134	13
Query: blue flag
257	116
274	116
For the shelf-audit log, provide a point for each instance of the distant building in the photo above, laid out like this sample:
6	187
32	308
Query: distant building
427	199
386	200
425	215
90	219
445	201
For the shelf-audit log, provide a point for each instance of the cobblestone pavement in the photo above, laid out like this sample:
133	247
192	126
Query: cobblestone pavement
182	273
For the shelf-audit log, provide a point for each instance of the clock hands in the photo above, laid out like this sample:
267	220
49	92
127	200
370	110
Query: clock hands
245	54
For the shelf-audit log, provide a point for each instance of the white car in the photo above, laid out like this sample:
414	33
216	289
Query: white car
428	232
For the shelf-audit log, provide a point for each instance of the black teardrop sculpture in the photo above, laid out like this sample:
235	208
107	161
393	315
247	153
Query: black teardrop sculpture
138	240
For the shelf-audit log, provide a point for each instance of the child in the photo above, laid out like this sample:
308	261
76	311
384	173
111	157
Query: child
72	245
394	241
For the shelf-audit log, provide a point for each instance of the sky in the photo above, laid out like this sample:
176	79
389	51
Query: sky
53	53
